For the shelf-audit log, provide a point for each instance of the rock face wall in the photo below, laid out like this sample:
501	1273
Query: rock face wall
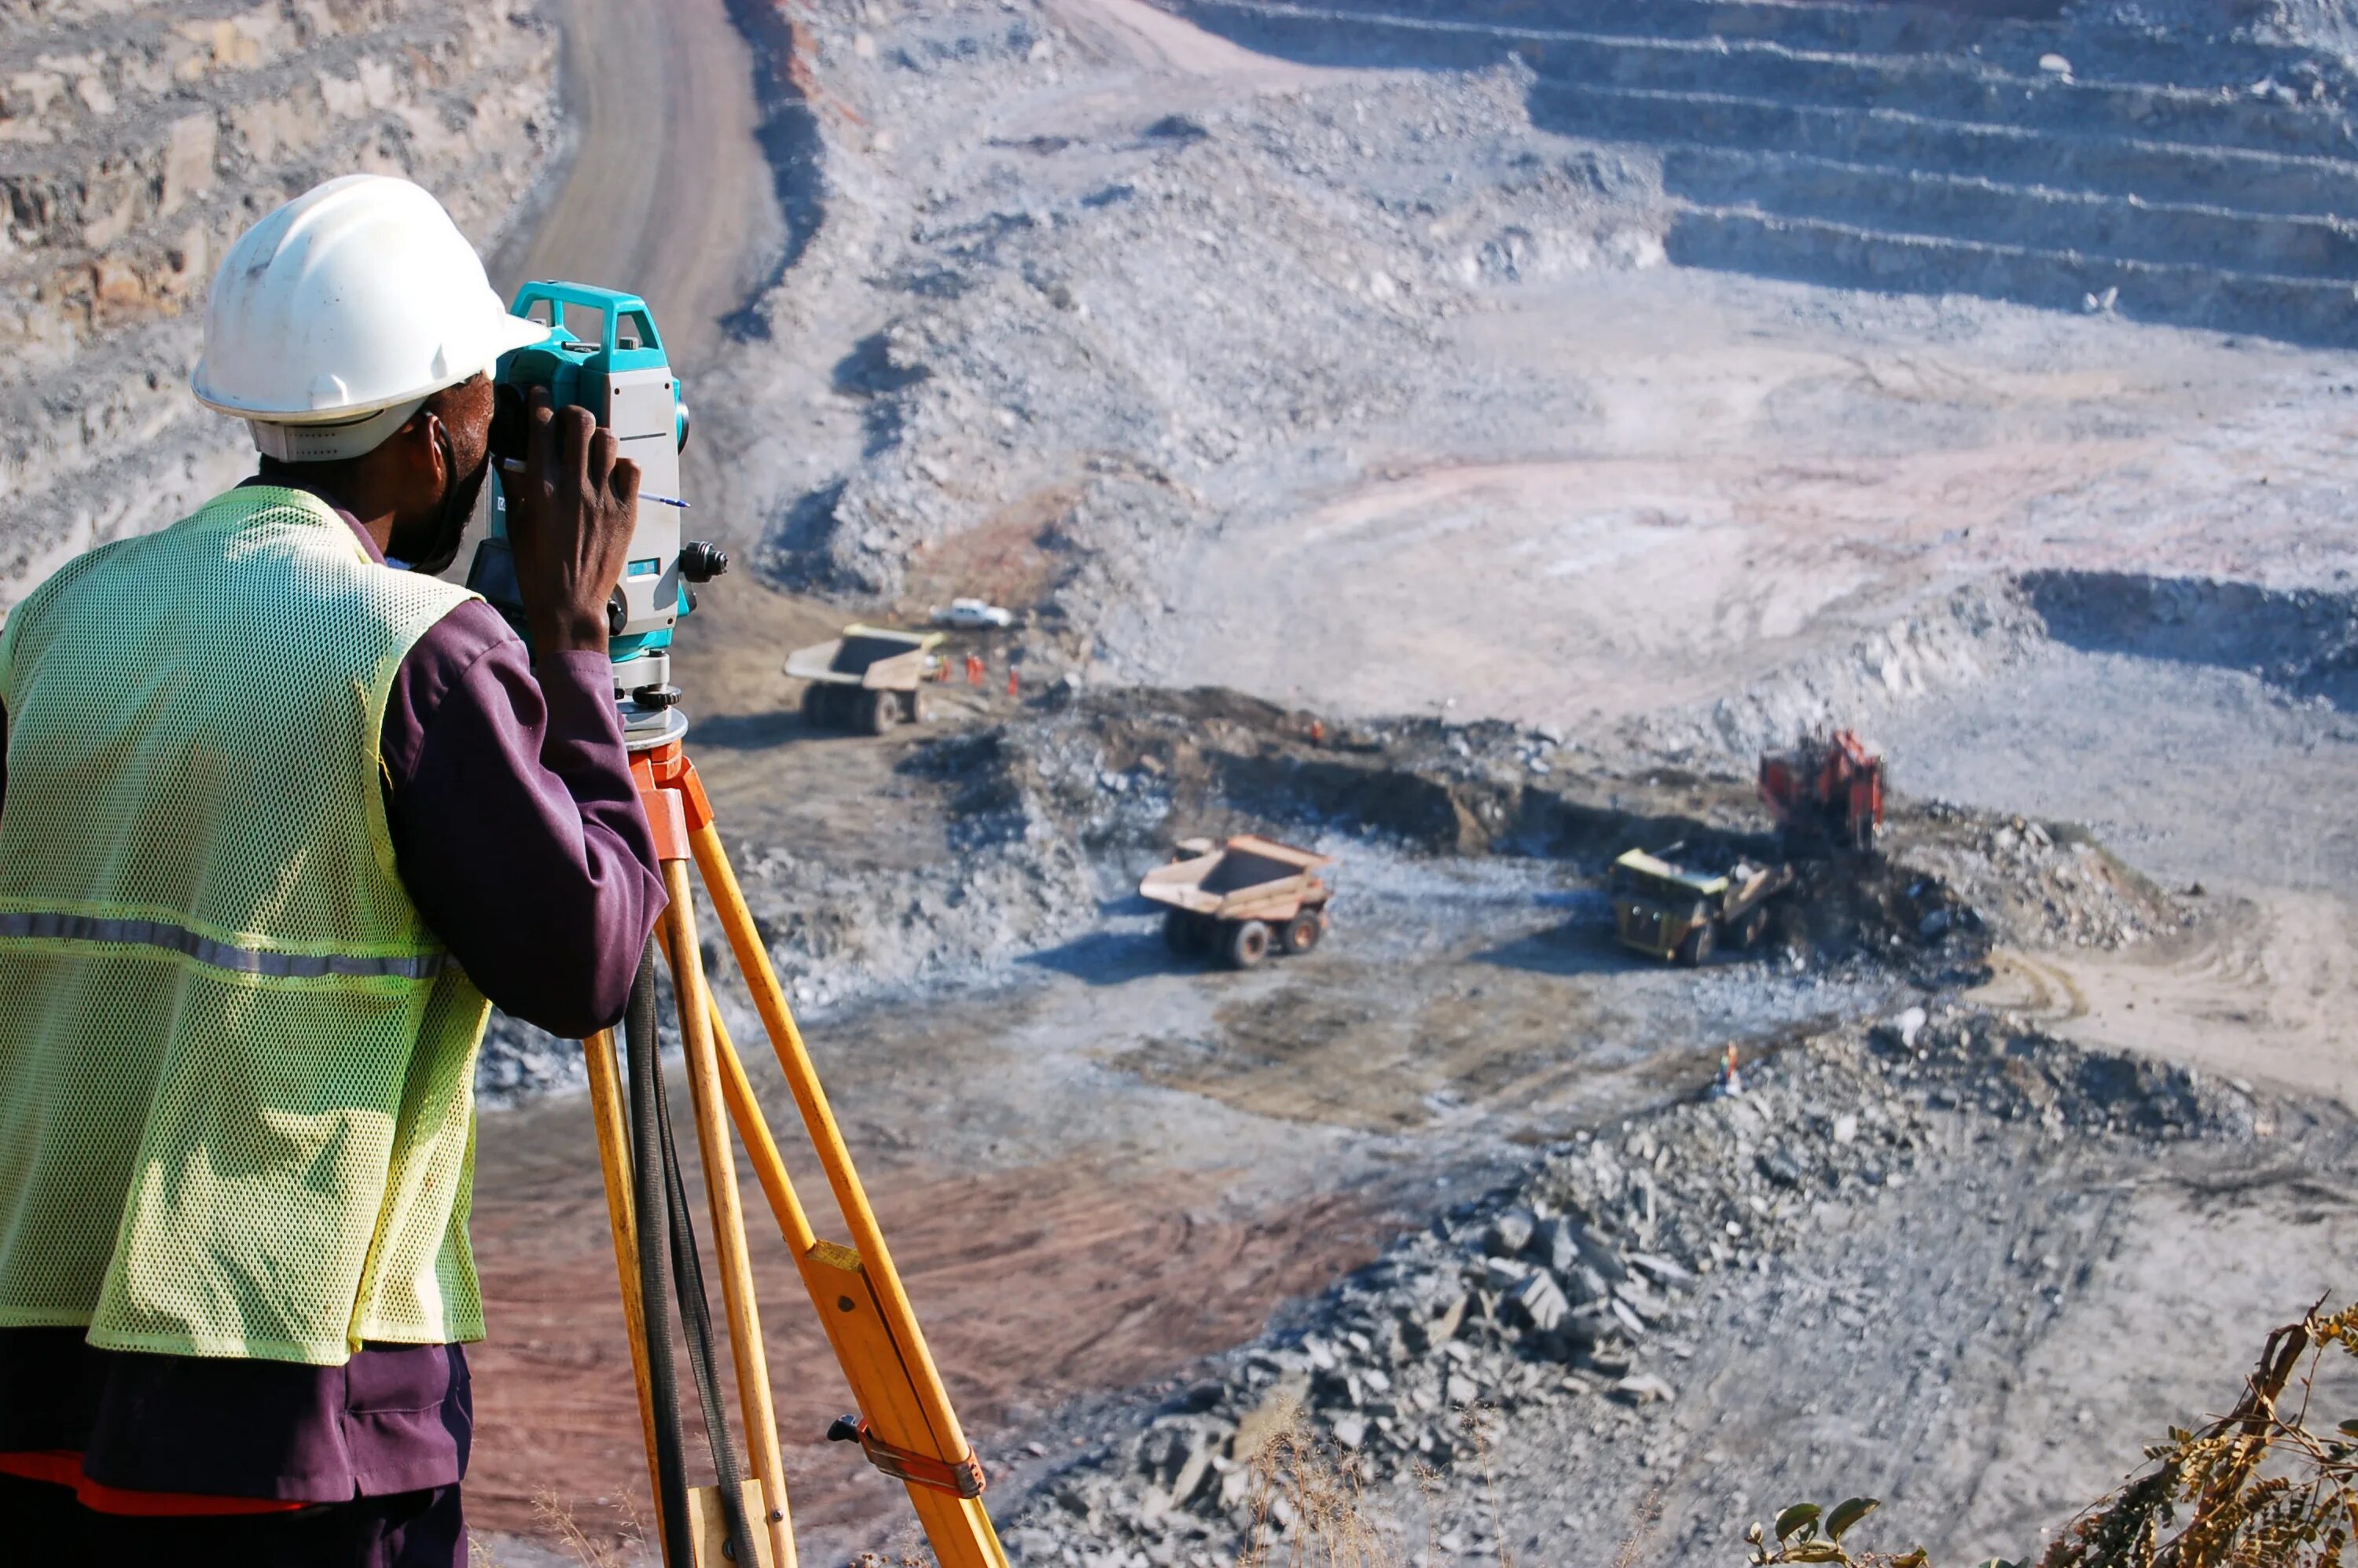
136	141
2200	170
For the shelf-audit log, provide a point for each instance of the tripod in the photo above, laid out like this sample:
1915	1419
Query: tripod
904	1425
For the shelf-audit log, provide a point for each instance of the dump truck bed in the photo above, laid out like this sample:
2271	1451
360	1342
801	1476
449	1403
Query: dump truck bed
873	657
1251	878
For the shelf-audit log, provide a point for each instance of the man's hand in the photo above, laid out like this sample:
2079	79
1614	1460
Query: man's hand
570	516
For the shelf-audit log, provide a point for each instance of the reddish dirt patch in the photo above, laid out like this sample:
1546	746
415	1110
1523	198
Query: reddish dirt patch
1005	558
1035	1286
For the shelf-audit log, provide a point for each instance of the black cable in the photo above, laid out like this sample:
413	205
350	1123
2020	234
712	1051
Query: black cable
649	1191
696	1309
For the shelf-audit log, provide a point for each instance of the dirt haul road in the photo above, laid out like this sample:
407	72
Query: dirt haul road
1133	31
667	194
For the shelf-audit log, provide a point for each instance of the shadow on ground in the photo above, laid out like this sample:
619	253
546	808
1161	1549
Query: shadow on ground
1107	957
2304	641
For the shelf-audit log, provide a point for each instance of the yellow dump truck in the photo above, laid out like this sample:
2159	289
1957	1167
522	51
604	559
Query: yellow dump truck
1242	900
1671	909
869	679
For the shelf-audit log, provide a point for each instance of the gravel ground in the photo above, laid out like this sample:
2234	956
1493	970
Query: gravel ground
1685	1320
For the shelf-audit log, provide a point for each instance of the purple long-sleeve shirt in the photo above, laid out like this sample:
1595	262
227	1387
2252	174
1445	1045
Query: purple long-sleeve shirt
517	832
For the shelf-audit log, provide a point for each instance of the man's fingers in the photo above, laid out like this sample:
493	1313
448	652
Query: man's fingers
603	450
574	448
540	436
626	482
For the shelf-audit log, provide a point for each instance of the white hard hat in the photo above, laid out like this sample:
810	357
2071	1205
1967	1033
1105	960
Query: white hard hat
334	317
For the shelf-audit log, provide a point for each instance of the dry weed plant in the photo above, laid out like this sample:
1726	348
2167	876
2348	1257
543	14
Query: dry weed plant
556	1517
1649	1523
2257	1488
1316	1504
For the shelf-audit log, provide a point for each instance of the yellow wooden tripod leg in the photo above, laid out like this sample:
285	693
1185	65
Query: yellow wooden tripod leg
614	1165
705	1092
856	1290
833	1276
769	1166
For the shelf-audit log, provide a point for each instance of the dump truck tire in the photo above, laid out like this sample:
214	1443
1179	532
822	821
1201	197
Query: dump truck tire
1246	946
814	704
1695	946
1751	928
1301	932
878	711
916	709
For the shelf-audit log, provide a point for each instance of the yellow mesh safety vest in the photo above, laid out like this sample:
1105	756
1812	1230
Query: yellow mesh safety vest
236	1069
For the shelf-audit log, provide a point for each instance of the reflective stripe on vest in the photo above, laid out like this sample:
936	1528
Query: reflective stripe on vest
219	955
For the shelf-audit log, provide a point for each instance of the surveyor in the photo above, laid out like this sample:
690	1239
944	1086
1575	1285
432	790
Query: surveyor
279	810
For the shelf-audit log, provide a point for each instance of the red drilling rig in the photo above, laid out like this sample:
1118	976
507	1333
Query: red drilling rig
1826	790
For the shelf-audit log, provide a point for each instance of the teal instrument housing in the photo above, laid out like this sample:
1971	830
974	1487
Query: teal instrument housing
623	376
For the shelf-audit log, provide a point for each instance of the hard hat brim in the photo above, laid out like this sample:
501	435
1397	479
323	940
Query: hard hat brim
501	336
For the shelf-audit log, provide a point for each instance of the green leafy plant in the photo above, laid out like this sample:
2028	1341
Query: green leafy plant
1805	1532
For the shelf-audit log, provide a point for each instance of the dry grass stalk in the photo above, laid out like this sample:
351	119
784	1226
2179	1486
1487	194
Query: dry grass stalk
1315	1504
557	1518
1474	1422
1649	1523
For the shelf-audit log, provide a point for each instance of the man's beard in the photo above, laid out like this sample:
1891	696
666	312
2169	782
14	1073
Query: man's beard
431	547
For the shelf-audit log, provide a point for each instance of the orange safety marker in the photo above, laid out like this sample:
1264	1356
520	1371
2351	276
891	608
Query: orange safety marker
1014	682
974	669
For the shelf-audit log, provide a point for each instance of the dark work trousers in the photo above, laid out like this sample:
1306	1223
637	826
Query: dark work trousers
42	1524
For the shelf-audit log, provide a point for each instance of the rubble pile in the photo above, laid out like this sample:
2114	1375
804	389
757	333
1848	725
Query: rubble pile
2048	884
1563	1305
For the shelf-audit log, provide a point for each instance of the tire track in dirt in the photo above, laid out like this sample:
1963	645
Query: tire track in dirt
2263	989
1036	1287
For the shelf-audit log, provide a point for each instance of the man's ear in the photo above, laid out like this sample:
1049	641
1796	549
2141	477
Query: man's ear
421	454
